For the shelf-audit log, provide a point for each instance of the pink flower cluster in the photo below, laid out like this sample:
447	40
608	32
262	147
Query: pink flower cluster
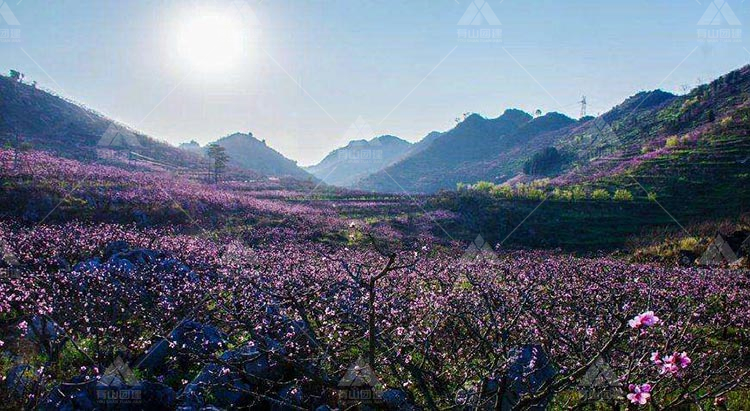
646	319
671	364
639	394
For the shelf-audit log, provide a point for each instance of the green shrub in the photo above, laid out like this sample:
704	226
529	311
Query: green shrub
600	194
689	244
652	196
503	191
673	141
535	194
623	195
483	186
578	193
562	195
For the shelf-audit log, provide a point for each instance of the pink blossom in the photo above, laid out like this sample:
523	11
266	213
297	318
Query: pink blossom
23	326
655	358
646	319
674	363
639	394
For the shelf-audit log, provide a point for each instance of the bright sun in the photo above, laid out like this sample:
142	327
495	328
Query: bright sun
210	42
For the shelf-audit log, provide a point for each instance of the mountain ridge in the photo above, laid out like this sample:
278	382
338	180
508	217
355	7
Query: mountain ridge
344	166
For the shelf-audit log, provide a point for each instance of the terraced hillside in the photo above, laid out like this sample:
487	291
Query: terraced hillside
36	119
655	161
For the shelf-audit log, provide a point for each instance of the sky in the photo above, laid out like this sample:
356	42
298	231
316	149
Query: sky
299	73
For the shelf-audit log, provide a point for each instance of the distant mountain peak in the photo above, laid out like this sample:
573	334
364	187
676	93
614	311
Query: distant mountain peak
359	158
250	153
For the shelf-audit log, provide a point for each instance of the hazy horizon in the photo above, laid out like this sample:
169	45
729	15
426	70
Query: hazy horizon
298	75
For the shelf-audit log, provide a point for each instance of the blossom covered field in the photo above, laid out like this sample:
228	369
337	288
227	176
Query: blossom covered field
268	298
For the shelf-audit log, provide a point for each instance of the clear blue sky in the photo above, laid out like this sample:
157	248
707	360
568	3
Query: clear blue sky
360	58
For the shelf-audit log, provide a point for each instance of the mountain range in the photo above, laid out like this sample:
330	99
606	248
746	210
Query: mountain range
248	153
514	147
345	166
42	120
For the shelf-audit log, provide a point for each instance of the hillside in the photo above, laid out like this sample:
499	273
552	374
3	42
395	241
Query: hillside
249	153
497	150
40	120
476	149
655	162
360	158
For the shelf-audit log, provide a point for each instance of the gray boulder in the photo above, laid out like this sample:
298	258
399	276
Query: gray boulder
530	370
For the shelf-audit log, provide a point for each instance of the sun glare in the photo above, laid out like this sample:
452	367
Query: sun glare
210	42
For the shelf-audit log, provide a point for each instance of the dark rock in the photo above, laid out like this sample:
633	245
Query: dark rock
138	257
529	371
397	400
188	338
122	265
88	265
38	209
158	396
289	399
114	248
174	266
71	396
600	382
42	329
198	338
155	357
18	383
227	389
257	366
687	258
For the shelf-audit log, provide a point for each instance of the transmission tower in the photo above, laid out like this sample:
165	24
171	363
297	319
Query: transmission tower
583	106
